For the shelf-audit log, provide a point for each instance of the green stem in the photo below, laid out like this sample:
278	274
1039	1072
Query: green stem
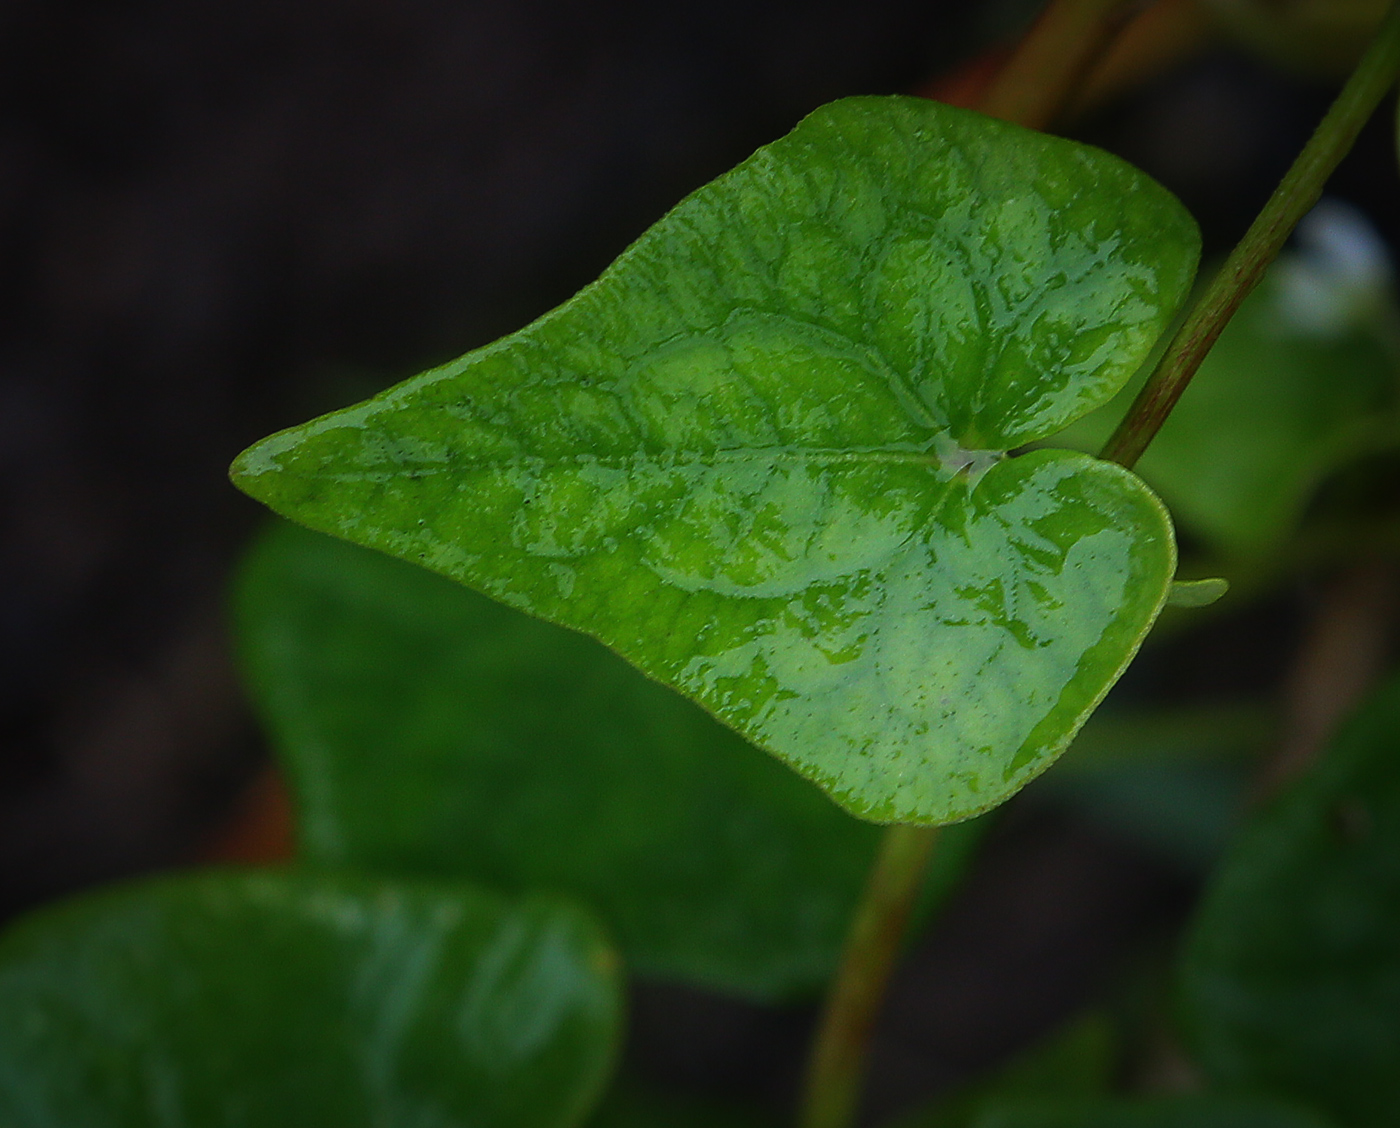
1038	80
1293	198
872	946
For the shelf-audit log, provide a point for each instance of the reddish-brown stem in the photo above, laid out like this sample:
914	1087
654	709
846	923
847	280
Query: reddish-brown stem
1044	71
1160	37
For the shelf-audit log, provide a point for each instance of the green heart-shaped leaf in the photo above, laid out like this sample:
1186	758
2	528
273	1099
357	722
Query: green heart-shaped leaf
293	1000
1291	975
760	457
427	729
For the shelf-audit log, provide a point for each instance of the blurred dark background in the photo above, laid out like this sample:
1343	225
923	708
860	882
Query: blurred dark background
218	219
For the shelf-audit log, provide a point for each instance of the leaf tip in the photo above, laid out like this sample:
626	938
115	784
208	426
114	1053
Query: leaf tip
255	468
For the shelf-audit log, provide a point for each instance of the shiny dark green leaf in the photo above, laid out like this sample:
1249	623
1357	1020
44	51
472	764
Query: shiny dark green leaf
295	1000
426	729
762	456
1291	975
1160	1112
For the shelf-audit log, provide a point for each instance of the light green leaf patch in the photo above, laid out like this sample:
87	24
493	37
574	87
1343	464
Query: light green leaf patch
1291	975
428	730
295	1000
761	457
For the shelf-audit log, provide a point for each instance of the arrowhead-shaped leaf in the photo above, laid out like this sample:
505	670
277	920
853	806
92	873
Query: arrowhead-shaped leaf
286	1000
428	730
760	457
1291	975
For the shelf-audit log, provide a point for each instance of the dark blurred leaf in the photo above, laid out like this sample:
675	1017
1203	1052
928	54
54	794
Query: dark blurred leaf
1291	975
1317	38
629	1105
296	1000
1231	733
1077	1061
1182	813
762	456
427	729
1162	1112
1172	782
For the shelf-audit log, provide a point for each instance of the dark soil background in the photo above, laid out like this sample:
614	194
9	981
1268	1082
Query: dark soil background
217	219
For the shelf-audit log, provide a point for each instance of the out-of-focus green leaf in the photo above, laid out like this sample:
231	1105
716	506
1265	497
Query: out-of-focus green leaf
1228	733
1182	813
426	729
1160	1112
762	456
1075	1062
1317	38
264	1000
1291	976
1172	782
1302	379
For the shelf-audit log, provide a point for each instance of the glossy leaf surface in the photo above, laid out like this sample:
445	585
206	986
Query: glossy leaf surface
1291	976
282	999
427	729
1161	1112
1303	378
760	457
